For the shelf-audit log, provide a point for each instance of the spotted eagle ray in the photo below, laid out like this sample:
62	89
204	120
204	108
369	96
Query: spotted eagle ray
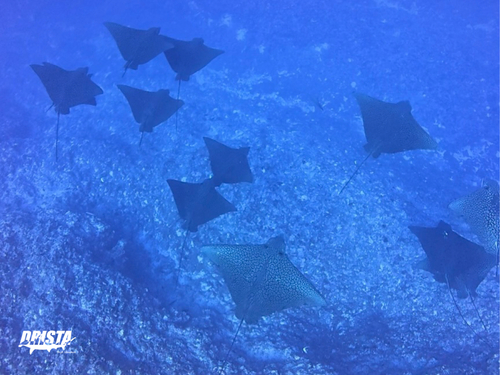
150	109
229	165
454	260
66	88
480	210
261	280
188	57
389	128
137	47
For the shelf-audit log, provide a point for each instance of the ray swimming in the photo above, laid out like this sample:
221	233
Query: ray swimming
198	203
229	165
136	46
188	57
67	88
389	128
261	280
480	210
150	109
454	260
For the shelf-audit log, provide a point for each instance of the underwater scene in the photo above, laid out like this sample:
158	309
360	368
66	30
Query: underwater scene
249	187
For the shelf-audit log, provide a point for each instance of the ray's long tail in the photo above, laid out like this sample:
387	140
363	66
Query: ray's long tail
224	363
57	133
356	171
498	260
477	311
181	258
177	112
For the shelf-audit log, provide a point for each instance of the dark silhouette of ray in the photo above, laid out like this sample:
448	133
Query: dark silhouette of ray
464	263
137	47
188	57
261	280
454	260
389	128
229	165
66	88
150	109
198	203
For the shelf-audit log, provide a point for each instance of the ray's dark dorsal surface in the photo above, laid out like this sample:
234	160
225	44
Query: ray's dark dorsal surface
452	259
198	203
480	210
150	109
229	165
261	278
137	47
188	57
67	88
389	128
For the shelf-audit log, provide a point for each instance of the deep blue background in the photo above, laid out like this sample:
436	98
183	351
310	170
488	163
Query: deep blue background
90	243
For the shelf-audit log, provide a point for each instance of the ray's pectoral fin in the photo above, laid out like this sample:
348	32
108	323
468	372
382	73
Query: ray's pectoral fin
452	258
389	128
66	88
261	279
229	165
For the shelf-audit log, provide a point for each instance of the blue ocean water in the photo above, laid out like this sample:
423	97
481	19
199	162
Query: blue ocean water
90	243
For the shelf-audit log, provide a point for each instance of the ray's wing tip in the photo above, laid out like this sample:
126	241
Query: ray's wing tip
319	300
209	142
109	25
37	68
206	249
416	230
455	206
433	144
209	251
